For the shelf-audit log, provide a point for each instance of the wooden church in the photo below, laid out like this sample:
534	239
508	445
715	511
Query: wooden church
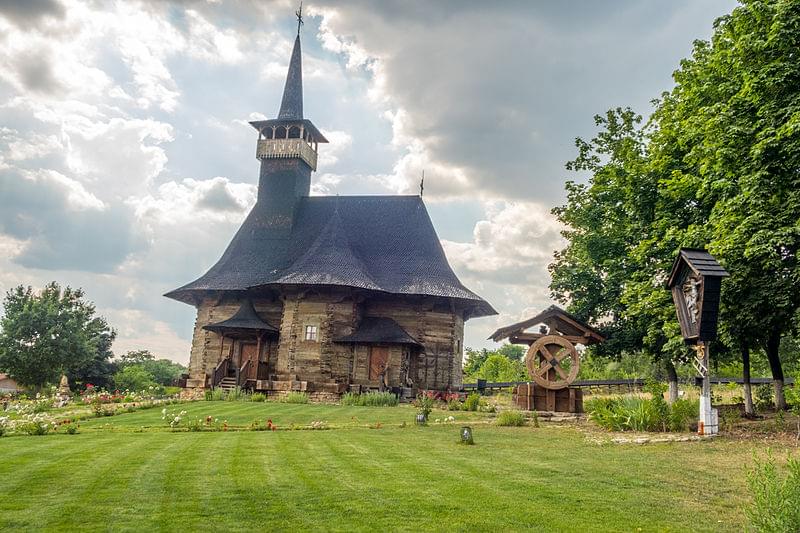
326	294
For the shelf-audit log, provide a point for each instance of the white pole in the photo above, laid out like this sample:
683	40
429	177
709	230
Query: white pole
708	424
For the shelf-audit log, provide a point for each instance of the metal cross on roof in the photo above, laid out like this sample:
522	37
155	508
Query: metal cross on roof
299	14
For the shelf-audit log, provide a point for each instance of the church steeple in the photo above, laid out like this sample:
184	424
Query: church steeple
287	148
292	102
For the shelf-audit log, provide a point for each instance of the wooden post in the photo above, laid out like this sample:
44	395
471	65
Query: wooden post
571	400
528	397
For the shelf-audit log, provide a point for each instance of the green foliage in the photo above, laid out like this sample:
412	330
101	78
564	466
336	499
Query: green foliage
474	360
238	394
473	402
503	364
715	167
515	352
258	397
370	399
636	413
71	429
763	397
510	418
133	378
776	498
425	404
50	333
216	395
498	367
454	404
295	397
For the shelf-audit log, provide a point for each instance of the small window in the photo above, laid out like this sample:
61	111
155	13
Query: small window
311	333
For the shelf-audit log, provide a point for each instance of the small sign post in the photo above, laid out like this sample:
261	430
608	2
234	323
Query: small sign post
695	283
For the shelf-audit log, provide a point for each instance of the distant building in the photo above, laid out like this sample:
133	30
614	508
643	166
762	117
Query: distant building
326	293
7	384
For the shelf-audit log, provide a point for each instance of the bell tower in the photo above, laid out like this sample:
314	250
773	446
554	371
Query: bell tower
287	148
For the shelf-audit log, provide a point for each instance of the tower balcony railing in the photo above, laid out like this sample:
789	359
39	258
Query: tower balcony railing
286	148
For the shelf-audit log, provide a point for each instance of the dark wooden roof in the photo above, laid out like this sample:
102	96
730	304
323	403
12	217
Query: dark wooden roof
245	318
700	261
557	319
292	101
375	330
378	243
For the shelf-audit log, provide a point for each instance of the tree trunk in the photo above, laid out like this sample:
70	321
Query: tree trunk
749	411
773	343
672	376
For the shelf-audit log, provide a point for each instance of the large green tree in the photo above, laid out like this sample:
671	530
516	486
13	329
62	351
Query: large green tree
48	333
716	167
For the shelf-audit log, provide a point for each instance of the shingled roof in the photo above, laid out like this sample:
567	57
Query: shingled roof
381	243
373	330
245	318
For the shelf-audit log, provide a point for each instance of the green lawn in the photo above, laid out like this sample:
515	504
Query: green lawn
553	478
282	414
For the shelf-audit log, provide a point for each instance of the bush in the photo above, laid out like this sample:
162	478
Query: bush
473	402
510	418
763	397
258	397
217	395
295	397
133	377
237	394
425	404
455	405
371	399
635	413
71	429
776	499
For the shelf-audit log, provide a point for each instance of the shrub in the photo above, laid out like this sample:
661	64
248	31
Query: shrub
195	424
258	397
71	429
473	402
295	397
218	394
425	404
207	395
510	418
371	399
776	499
635	413
35	424
237	394
763	397
455	405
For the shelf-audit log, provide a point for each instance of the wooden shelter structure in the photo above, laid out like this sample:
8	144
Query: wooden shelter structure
552	360
326	293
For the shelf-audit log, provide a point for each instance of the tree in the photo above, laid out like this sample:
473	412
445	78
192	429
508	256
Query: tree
99	370
515	352
715	167
135	357
164	371
728	144
498	367
48	334
133	378
475	358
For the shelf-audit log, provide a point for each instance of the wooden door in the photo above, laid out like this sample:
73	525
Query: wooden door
250	353
378	359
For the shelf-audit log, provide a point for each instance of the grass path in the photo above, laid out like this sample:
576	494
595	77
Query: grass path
548	479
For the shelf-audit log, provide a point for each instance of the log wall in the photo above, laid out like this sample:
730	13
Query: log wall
438	327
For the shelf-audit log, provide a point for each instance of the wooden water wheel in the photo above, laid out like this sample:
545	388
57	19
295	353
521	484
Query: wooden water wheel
553	362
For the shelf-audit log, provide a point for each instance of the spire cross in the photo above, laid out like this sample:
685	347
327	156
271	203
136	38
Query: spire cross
422	183
299	14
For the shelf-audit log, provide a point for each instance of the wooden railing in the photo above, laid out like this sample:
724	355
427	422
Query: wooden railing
220	371
244	373
282	148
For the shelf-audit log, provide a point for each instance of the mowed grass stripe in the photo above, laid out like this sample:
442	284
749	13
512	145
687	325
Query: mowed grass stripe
356	479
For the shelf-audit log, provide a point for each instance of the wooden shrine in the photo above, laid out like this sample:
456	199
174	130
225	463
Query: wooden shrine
552	360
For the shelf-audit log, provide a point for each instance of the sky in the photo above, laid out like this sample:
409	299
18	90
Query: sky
127	164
